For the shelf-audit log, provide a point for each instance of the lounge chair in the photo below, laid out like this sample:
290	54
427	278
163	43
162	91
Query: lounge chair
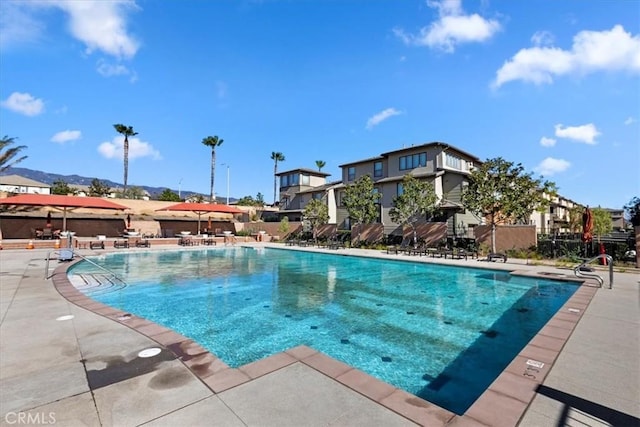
402	247
143	243
97	245
493	256
120	243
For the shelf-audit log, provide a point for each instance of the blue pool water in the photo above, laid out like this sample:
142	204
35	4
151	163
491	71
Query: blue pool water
441	333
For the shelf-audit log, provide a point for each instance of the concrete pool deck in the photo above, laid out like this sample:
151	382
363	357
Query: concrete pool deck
85	370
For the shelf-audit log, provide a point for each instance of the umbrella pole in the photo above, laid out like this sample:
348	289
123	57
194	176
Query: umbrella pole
64	219
199	214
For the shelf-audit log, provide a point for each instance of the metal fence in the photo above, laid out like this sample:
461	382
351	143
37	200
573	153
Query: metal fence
559	247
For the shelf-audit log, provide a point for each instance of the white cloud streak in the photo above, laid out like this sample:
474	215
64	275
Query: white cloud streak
24	103
378	118
100	25
585	133
592	51
630	121
114	149
452	28
547	142
551	166
66	135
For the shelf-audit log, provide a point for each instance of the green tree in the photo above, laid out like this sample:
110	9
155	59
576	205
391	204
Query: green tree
9	155
320	164
276	156
246	201
317	213
99	188
632	210
602	223
575	219
502	192
169	196
127	131
418	199
61	187
361	201
134	193
259	199
213	142
283	228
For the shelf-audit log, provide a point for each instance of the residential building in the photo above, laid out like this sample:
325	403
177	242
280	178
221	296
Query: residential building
298	186
21	185
444	165
556	219
617	219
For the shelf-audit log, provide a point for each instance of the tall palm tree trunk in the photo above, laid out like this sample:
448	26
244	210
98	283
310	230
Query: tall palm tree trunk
126	166
213	174
275	179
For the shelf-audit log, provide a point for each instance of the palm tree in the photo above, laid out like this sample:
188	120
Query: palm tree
7	155
213	142
320	164
276	156
127	131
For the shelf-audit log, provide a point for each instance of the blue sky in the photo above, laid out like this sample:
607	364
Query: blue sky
551	84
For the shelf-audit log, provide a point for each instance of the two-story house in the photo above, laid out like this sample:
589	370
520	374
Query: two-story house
445	166
298	186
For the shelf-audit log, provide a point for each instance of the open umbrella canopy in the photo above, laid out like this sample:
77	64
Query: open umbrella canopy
61	202
202	208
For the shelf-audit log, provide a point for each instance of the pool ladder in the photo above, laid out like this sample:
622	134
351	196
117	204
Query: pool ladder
579	272
93	282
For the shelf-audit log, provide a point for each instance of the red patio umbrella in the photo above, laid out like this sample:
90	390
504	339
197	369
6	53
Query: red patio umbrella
62	203
202	208
587	225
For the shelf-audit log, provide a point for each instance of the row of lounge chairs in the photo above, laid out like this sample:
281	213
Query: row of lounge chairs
440	251
333	242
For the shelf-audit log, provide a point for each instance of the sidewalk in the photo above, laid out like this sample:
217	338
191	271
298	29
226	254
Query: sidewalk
86	370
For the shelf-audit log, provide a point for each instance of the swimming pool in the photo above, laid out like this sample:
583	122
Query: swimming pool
441	333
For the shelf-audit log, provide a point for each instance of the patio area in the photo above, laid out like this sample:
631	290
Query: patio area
86	369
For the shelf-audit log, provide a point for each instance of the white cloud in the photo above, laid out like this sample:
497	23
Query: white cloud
24	103
66	135
100	25
17	25
585	133
551	166
378	118
109	70
592	51
452	28
547	142
114	149
630	121
542	38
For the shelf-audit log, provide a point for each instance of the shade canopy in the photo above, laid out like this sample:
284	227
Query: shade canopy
202	208
61	202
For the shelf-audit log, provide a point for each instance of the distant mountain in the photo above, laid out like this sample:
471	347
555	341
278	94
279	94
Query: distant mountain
50	178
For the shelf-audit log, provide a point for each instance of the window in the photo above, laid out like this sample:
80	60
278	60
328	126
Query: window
413	161
351	174
284	180
377	169
399	189
317	196
341	194
452	161
294	179
305	179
